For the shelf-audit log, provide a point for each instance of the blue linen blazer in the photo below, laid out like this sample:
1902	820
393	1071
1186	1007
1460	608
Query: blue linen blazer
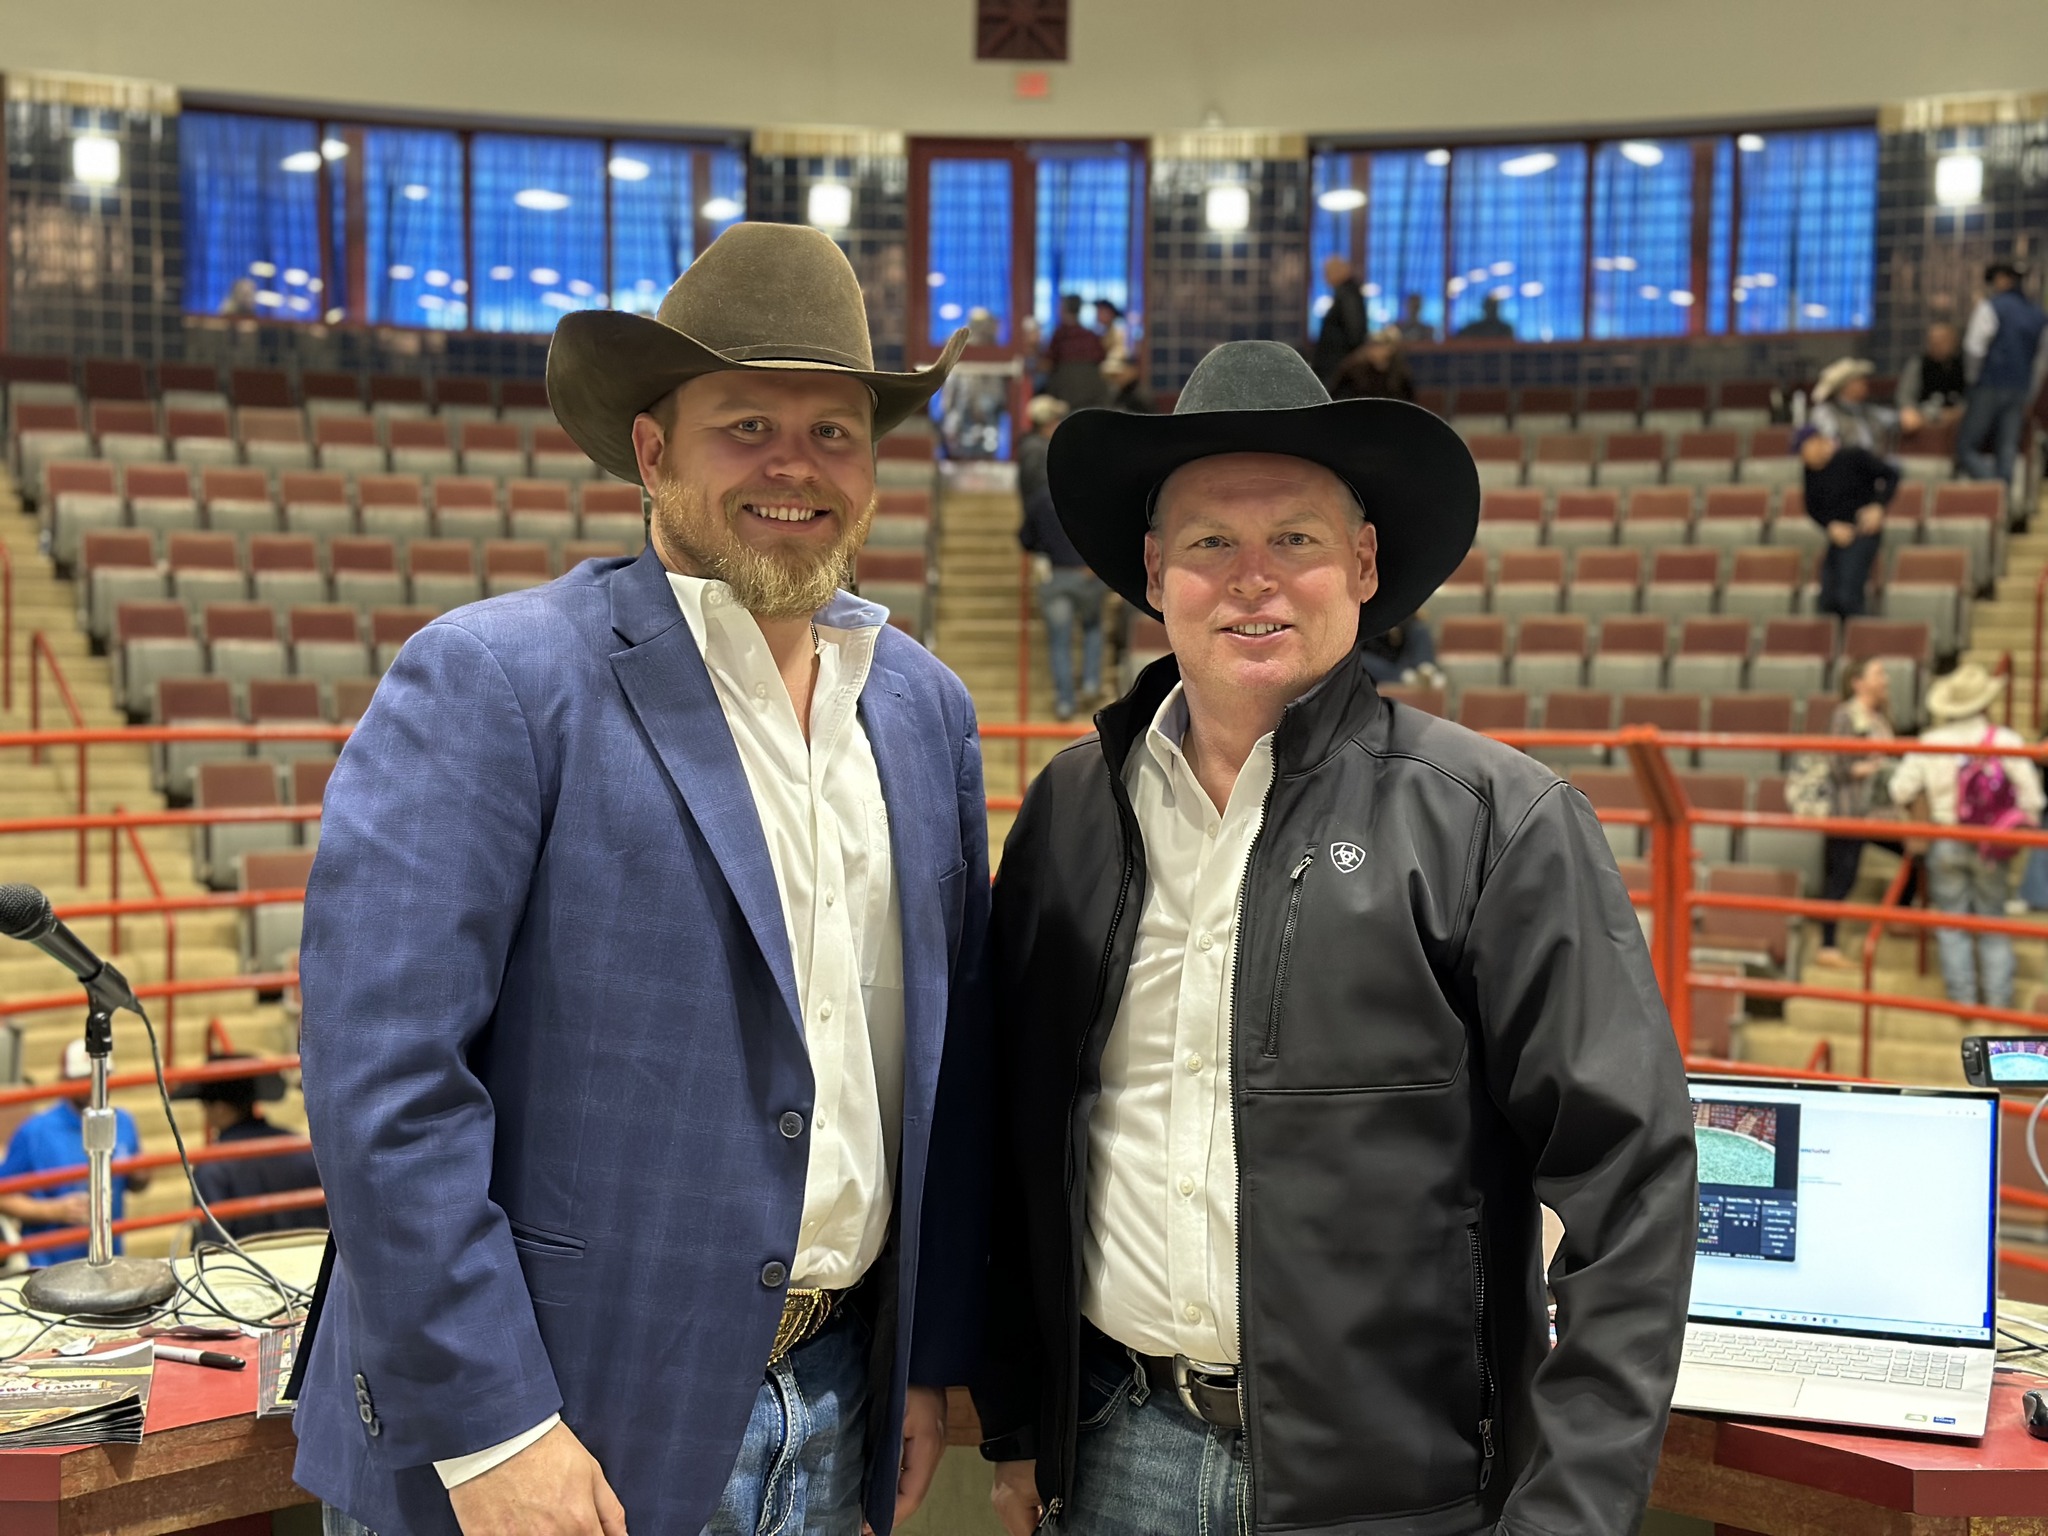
550	1032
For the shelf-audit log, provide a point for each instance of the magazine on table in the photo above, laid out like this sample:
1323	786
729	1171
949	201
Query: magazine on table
76	1399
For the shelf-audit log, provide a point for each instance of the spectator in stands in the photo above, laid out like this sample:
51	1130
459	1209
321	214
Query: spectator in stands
231	1114
1068	592
1842	408
1411	325
1407	905
1489	326
1855	786
1405	654
1376	371
1847	490
1954	789
1116	338
1073	359
973	403
648	903
55	1138
1934	381
2005	353
1344	328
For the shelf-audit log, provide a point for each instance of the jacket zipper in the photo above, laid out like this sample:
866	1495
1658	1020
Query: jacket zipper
1286	952
1244	1352
1486	1448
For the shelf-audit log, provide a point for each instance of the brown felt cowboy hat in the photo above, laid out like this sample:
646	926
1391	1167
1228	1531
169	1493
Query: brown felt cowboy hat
772	296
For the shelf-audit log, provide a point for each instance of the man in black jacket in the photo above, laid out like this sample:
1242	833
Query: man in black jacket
1310	1003
1344	323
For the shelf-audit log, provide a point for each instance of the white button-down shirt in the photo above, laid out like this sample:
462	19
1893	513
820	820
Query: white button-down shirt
827	829
1160	1254
1934	773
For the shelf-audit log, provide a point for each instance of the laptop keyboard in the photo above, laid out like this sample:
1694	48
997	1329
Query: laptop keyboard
1902	1365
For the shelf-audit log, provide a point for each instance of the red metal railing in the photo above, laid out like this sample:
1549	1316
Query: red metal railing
39	653
225	1210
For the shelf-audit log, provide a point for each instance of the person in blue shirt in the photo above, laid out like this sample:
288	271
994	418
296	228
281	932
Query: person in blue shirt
55	1138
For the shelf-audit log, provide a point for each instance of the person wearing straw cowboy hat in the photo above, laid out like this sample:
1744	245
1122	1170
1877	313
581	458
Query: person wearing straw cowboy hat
1306	1002
1843	410
1955	789
649	904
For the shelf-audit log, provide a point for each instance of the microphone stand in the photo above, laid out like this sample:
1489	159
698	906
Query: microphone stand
102	1284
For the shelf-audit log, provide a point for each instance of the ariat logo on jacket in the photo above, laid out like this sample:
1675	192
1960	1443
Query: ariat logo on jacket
1346	856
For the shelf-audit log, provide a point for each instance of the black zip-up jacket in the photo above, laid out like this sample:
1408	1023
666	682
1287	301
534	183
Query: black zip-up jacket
1443	1013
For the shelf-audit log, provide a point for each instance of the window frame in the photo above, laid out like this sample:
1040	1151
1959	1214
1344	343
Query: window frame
1704	137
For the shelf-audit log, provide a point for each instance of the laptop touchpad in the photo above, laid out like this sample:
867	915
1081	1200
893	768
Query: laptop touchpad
1717	1390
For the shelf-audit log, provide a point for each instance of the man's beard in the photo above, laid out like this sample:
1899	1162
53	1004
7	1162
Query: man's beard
784	581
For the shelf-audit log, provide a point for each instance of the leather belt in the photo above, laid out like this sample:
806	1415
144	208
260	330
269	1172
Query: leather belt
805	1312
1209	1392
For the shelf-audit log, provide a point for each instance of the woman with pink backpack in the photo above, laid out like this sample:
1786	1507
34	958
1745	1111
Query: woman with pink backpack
1960	788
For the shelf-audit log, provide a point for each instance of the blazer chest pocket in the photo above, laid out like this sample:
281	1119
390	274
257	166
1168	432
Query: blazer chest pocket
1343	996
552	1263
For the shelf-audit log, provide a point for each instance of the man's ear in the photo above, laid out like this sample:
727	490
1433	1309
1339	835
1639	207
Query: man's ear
1155	571
1368	552
650	443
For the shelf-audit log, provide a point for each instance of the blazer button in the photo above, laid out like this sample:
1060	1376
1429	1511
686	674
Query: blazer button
792	1125
773	1273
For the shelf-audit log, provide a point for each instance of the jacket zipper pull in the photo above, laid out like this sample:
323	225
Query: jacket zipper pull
1052	1512
1302	868
1286	952
1486	1451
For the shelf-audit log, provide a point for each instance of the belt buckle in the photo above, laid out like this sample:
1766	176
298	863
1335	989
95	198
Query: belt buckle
1186	1370
804	1313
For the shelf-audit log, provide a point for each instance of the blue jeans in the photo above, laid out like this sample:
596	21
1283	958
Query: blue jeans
1959	879
1145	1466
802	1464
1845	574
1072	594
1996	414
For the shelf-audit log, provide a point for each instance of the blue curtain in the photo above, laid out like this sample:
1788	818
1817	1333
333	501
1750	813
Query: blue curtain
1642	238
412	228
1404	234
654	221
1720	228
537	223
1329	230
1518	234
1085	214
1809	203
251	188
968	261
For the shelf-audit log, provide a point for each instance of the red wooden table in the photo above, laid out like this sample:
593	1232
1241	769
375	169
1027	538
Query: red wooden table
206	1464
1782	1480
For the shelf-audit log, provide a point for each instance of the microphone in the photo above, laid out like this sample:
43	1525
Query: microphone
25	914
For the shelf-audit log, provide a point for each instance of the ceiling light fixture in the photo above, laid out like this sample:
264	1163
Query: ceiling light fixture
334	149
1636	152
829	205
415	192
1437	157
1341	200
1227	207
1532	164
302	163
540	200
722	210
96	160
1959	180
545	277
1750	143
626	168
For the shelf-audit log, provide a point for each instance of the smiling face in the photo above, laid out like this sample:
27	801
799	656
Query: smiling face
1258	564
764	480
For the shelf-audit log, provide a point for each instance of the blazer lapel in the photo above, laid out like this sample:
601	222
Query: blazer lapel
670	690
902	746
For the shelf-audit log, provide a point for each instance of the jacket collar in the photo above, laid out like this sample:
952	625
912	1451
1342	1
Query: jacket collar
1336	709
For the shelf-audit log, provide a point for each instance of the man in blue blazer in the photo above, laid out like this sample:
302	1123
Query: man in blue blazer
644	1048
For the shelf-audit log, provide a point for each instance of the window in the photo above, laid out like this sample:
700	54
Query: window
412	229
537	213
1642	238
256	249
1808	204
969	246
1404	236
1720	229
1086	206
1333	180
1518	240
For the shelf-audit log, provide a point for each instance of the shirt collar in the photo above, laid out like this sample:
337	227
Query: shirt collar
701	597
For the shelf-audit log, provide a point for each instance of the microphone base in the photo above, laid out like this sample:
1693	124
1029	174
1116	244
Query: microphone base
120	1289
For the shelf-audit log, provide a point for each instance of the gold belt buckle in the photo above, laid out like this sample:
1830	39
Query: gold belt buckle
804	1315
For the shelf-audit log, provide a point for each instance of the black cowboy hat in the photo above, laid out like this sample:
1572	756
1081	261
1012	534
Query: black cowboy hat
1410	471
267	1088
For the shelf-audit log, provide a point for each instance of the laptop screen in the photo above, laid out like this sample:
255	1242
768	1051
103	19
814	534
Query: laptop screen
1859	1209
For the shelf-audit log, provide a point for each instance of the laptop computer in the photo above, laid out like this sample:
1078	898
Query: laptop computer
1845	1264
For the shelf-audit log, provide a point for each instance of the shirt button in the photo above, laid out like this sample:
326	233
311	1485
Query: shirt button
713	597
760	690
1191	1312
1214	828
792	1125
817	1122
825	1009
831	898
1187	1185
773	1273
1194	1063
1206	941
